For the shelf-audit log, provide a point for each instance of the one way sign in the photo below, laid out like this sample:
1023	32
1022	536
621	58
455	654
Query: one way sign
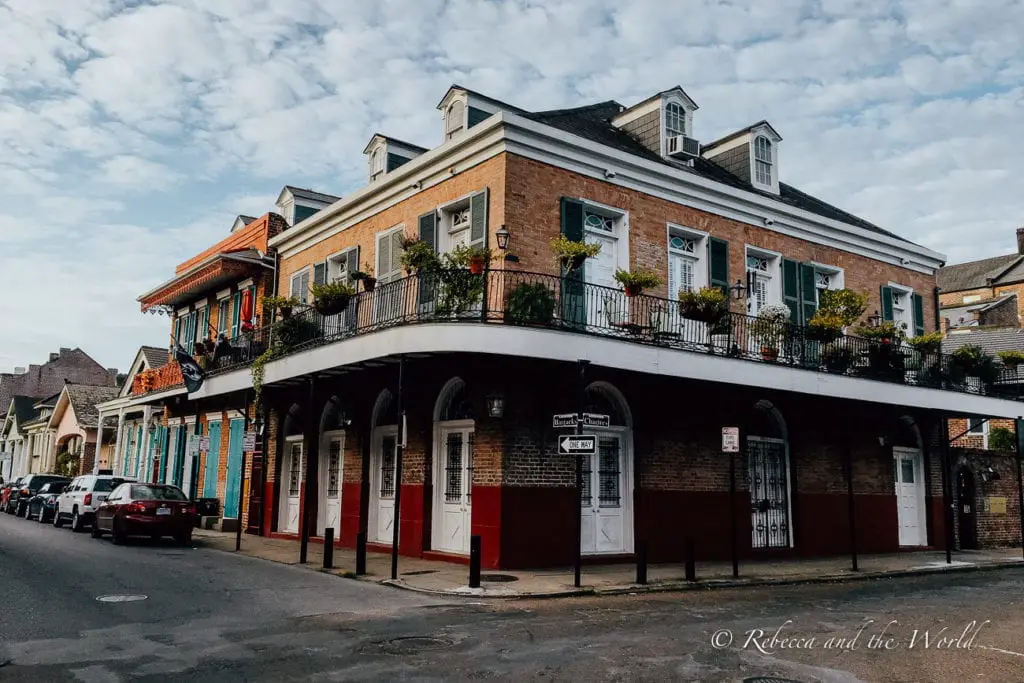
584	444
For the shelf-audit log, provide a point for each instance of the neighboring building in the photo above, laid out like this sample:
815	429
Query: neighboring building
999	311
425	370
981	283
40	437
19	412
75	423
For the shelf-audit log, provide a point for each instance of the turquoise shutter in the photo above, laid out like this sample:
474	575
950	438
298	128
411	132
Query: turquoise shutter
177	331
236	313
427	235
138	450
718	264
808	293
212	462
918	314
791	289
574	311
886	294
233	473
478	219
165	434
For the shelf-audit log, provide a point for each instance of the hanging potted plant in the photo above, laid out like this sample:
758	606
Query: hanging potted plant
417	256
366	277
635	282
769	328
284	304
571	254
707	305
332	297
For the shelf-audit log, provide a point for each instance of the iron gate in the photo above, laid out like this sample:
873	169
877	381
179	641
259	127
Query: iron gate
769	493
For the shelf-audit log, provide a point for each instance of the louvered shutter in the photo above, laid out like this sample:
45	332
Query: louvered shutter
427	281
790	289
886	294
351	266
383	258
918	314
320	273
573	298
177	330
673	276
478	219
718	264
236	313
808	293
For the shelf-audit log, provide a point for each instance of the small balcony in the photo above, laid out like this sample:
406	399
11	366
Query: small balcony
536	300
165	377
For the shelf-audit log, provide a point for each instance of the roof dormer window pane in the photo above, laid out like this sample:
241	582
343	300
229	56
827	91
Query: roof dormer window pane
762	160
454	120
675	120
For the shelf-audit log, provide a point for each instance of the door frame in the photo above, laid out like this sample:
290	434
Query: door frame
436	505
627	494
789	485
376	442
325	454
283	496
899	452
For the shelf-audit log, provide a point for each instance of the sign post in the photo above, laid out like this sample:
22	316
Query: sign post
731	446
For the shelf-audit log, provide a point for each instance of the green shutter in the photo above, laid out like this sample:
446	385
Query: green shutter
808	293
177	331
394	161
303	212
236	313
791	289
428	229
478	219
427	280
918	315
351	266
718	264
886	294
574	310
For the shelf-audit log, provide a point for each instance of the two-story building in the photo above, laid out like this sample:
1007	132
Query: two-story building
429	403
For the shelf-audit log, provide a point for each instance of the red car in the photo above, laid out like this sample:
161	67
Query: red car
152	510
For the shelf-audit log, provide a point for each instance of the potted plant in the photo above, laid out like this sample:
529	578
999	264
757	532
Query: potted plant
418	256
635	282
458	289
707	305
572	254
530	303
477	259
284	304
366	277
824	327
972	361
769	327
885	359
1011	359
332	297
927	344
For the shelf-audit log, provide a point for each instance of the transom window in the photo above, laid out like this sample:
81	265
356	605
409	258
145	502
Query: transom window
764	286
897	299
675	120
763	160
596	221
686	245
822	280
758	263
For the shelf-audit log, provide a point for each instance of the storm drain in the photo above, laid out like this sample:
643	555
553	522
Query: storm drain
498	578
410	645
121	598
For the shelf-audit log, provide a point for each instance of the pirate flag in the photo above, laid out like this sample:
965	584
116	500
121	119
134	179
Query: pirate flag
190	370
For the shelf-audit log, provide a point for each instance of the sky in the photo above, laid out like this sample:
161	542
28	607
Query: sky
132	133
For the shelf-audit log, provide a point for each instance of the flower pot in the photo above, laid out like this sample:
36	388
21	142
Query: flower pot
573	263
286	312
476	265
769	354
633	290
369	283
331	305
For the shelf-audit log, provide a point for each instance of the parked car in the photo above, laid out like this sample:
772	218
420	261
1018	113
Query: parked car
5	495
153	510
42	505
30	486
80	500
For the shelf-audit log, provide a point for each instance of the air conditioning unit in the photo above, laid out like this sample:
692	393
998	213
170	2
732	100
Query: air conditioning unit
682	146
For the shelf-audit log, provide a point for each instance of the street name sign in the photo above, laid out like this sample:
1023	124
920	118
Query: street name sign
582	444
596	420
564	420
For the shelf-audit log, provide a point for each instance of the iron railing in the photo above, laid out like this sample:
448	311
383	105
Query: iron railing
569	304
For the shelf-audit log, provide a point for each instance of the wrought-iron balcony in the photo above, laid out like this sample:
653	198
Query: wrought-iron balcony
503	297
165	377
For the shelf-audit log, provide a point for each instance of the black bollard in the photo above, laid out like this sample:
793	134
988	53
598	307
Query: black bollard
641	562
329	548
474	561
691	563
360	554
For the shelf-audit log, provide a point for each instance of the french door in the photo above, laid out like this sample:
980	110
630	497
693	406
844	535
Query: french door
768	474
454	487
331	454
291	487
910	507
606	498
383	482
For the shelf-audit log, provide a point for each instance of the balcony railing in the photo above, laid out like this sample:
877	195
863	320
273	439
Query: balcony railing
164	377
567	304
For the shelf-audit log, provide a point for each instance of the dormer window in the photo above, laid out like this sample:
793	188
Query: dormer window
454	120
376	163
675	120
763	161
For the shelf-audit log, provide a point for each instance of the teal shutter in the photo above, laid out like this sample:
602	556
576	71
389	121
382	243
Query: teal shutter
177	331
212	462
918	314
233	475
351	266
574	310
427	280
808	293
138	451
718	264
886	294
165	435
478	219
791	289
394	161
236	313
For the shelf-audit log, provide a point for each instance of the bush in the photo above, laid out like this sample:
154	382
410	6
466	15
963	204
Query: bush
927	343
530	303
1011	359
845	304
1002	439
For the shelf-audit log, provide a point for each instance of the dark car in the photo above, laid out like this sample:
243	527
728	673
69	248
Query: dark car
42	504
152	510
30	486
5	495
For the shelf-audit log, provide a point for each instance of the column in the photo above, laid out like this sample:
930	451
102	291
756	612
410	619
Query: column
99	443
147	434
115	460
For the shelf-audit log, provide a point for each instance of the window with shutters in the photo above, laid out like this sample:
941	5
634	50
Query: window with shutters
222	316
764	279
457	221
675	119
902	307
300	283
687	260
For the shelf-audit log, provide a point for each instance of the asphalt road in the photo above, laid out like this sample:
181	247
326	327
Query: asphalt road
213	616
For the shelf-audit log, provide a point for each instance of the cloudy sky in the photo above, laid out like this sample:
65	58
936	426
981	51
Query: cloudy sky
132	133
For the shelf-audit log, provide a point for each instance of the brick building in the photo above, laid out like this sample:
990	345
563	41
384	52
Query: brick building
425	407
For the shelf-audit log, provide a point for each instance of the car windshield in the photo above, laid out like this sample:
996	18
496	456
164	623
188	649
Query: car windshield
157	493
106	485
37	482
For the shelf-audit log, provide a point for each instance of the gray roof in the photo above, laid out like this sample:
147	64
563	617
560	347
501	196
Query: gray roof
44	380
84	398
978	274
990	339
155	356
303	193
962	313
24	409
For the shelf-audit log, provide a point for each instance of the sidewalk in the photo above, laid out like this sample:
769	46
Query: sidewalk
452	579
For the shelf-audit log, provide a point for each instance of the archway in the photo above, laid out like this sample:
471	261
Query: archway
454	438
606	499
291	471
909	481
769	476
383	463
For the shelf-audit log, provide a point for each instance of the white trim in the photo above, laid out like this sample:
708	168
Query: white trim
223	294
293	438
173	421
214	417
635	112
244	284
190	420
567	347
182	311
234	414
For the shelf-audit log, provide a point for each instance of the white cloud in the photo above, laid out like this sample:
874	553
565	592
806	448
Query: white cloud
120	123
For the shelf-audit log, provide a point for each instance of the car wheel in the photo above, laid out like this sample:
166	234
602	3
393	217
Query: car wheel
76	521
42	518
57	521
96	533
184	537
117	533
20	512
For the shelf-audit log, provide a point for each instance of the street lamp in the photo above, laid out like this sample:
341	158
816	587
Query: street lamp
502	236
737	290
874	320
496	405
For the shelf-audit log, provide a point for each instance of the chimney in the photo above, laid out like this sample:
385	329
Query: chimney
1020	240
54	356
19	371
944	325
64	350
32	367
112	376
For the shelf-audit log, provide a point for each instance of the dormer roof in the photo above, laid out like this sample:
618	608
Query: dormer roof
456	90
377	137
290	191
762	124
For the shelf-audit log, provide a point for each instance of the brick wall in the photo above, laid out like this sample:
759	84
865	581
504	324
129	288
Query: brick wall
994	529
957	427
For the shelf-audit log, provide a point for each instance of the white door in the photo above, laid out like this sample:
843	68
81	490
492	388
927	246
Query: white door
604	306
909	470
453	491
331	454
291	487
606	498
770	509
382	485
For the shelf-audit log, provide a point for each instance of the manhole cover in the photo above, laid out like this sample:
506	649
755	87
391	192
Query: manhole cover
498	578
121	598
420	572
412	644
768	679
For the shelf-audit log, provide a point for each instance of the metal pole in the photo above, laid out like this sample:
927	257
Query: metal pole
399	452
329	548
581	374
1020	483
852	508
310	428
947	502
732	516
474	561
